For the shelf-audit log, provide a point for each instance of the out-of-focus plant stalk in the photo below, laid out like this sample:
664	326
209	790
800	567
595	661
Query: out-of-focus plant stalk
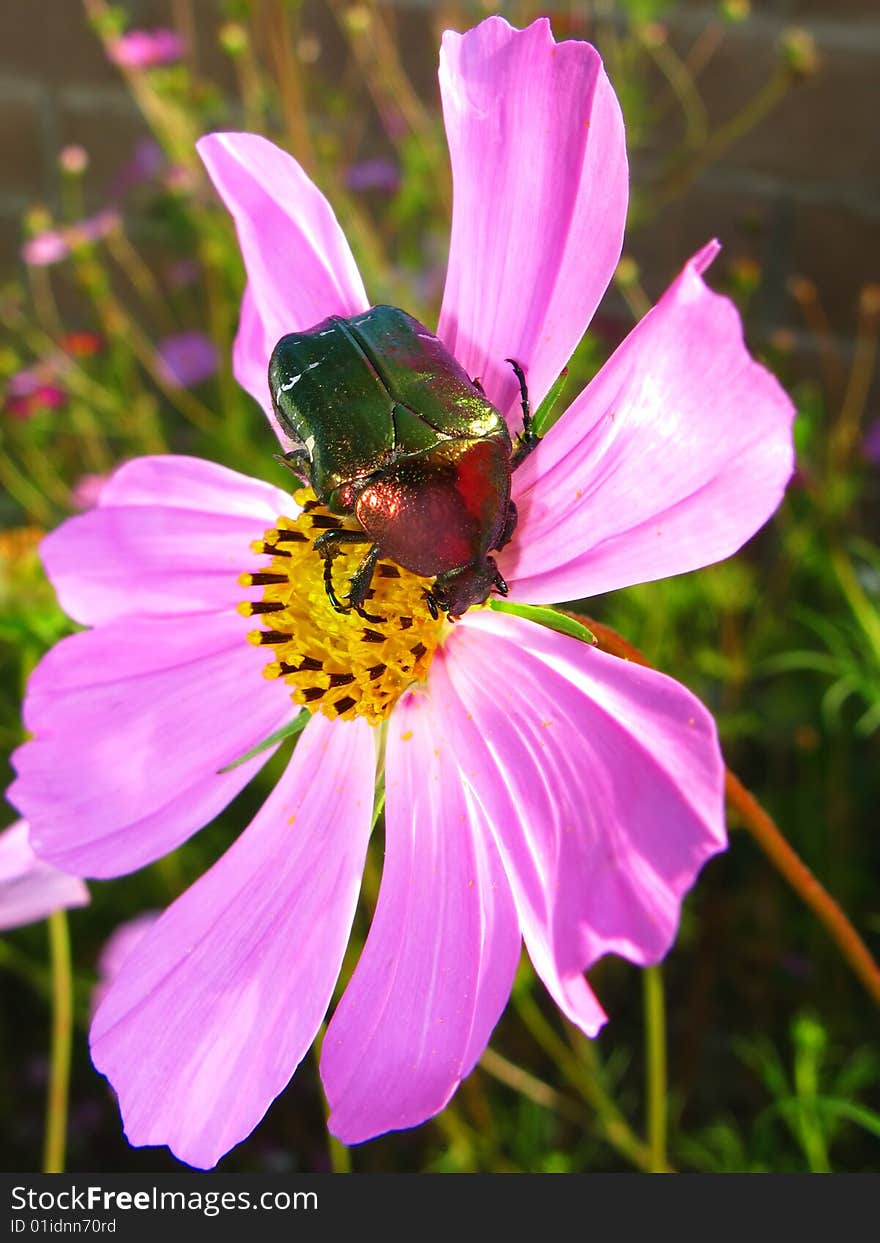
681	83
845	437
806	295
528	1085
758	107
288	76
139	274
19	486
582	1072
863	610
55	1142
793	870
655	1065
374	48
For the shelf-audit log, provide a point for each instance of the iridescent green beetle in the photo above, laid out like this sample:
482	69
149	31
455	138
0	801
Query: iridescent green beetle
387	427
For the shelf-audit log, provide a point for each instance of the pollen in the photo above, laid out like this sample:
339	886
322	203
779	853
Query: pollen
342	664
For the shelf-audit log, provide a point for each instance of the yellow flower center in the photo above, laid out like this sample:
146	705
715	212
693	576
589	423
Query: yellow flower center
340	664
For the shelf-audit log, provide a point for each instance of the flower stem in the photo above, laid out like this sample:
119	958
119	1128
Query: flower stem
55	1141
582	1070
805	884
655	1065
792	869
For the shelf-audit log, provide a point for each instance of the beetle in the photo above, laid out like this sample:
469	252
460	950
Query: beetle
387	427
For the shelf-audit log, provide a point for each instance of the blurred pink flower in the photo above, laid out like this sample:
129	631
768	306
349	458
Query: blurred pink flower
46	248
29	888
536	788
117	948
40	386
146	162
87	490
24	405
376	174
187	358
871	444
53	245
145	49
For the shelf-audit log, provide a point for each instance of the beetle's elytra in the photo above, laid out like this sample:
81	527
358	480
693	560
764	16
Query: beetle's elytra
387	428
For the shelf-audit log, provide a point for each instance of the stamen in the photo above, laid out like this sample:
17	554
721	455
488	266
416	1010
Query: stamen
321	652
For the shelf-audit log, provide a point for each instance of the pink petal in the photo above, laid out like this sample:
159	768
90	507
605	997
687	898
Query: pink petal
299	265
30	889
118	947
438	964
675	454
602	783
170	535
540	192
132	724
220	1000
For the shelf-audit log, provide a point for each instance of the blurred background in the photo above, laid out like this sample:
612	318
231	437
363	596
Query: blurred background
120	281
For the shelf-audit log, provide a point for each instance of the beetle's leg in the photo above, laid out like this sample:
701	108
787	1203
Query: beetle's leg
498	580
328	546
528	438
360	585
433	606
297	461
477	383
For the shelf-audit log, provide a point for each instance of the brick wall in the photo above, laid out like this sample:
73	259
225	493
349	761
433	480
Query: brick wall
801	194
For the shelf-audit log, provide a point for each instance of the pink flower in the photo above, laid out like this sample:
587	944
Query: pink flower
25	404
187	358
45	249
145	49
117	949
29	888
536	788
53	245
86	492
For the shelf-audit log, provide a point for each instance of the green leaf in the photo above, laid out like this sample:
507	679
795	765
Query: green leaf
296	726
543	615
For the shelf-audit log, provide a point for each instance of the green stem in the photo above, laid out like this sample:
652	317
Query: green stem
583	1072
858	601
340	1156
62	1033
655	1066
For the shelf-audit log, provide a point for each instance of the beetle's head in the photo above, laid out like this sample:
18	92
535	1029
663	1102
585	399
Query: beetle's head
455	591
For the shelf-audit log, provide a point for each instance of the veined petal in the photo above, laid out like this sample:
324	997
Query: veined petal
170	536
539	200
439	961
602	783
671	458
218	1002
132	723
29	888
299	265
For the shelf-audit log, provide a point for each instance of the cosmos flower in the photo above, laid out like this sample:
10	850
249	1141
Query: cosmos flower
187	358
537	789
29	888
53	245
145	49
